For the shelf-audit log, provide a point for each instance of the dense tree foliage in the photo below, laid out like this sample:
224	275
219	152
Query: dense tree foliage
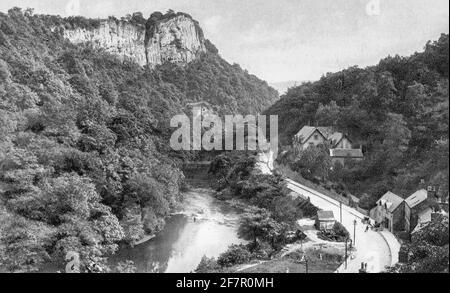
397	110
428	251
84	155
272	213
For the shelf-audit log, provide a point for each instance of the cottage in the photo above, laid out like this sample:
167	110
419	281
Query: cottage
341	147
325	220
419	207
309	136
390	212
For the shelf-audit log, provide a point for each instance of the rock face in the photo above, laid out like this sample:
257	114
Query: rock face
176	38
118	38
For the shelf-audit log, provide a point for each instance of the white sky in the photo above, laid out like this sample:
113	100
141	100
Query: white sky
280	40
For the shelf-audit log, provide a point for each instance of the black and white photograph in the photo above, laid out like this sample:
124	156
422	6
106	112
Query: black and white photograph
214	137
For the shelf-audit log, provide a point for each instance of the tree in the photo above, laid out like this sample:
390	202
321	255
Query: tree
138	18
313	162
236	254
428	251
23	243
208	265
126	267
328	115
257	224
396	139
5	75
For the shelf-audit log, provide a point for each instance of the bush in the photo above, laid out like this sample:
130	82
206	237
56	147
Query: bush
236	254
261	250
208	265
126	267
337	234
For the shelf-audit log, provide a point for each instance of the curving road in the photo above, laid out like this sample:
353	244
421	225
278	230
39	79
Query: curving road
376	249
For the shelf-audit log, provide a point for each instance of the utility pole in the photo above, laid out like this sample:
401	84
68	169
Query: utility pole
354	232
346	252
305	261
340	211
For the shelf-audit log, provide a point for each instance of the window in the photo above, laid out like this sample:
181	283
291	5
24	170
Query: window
316	136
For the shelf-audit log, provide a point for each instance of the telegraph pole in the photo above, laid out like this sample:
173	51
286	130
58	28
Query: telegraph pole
346	253
354	232
340	211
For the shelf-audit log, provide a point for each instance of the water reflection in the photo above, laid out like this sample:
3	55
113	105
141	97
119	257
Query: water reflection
206	226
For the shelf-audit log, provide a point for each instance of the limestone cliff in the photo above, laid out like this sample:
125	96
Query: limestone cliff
175	38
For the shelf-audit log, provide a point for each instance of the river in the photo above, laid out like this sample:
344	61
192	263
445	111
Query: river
205	226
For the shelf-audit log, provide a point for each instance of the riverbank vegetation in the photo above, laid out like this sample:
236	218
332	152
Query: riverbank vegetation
85	161
269	221
396	110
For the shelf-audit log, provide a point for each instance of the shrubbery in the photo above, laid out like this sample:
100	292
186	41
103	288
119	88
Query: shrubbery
236	254
337	234
428	252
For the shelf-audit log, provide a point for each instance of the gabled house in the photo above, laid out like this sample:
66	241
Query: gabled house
389	212
419	207
340	145
309	136
405	215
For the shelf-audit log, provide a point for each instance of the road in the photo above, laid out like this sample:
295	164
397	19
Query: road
376	249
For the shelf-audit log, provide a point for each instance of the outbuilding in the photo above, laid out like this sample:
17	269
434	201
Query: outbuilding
325	220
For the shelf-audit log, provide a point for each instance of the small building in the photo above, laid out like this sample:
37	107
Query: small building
341	155
413	207
390	212
340	145
419	207
325	220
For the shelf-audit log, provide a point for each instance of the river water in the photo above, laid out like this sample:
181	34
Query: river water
205	226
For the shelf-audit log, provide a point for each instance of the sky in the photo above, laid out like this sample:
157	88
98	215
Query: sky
285	40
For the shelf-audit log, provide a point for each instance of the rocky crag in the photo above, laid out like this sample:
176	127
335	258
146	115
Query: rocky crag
174	37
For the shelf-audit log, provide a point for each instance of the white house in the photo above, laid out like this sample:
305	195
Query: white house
340	145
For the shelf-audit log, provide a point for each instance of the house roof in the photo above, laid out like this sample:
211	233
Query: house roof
417	198
424	218
326	131
325	215
336	138
346	153
305	133
390	200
